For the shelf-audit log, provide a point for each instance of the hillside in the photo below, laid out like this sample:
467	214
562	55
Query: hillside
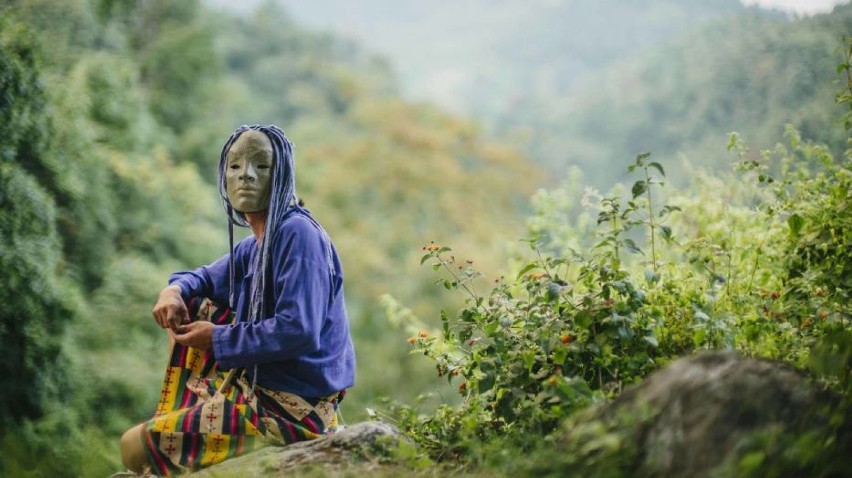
751	74
591	83
114	116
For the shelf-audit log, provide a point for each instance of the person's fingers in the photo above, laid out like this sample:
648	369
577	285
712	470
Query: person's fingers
180	338
160	319
181	333
177	314
161	315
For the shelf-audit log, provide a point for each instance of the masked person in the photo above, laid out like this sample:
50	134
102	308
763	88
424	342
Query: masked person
271	314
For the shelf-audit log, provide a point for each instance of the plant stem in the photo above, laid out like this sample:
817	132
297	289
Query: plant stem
543	262
650	218
615	235
458	280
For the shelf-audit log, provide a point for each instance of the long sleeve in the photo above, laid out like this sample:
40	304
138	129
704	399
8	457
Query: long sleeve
212	281
302	289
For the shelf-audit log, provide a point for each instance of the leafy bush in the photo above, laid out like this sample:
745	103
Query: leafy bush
571	329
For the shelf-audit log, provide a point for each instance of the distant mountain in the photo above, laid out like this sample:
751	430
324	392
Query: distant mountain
750	73
485	56
592	82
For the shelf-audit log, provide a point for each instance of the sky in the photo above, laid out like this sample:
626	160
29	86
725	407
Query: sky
802	7
797	6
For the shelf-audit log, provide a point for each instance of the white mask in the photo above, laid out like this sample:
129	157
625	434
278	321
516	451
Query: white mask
248	172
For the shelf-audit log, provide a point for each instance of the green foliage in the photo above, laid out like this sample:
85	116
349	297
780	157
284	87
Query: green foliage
813	196
571	330
22	103
176	69
35	310
566	332
31	322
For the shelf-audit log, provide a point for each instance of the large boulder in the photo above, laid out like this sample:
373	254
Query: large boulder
351	445
703	416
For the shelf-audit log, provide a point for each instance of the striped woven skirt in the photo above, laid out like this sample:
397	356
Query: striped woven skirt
196	425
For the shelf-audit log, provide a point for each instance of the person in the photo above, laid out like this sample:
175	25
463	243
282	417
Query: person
271	313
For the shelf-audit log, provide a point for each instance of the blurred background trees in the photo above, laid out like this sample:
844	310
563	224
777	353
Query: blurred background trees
113	113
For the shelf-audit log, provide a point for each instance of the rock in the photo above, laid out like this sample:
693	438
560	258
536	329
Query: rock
691	419
357	443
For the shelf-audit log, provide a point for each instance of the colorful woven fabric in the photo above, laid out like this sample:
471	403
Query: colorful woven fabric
197	426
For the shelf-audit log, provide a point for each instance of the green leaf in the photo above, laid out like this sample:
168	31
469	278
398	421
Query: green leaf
700	315
795	222
436	266
583	319
632	247
527	268
658	166
486	383
668	209
529	359
445	322
641	157
425	258
638	188
733	140
559	355
652	340
651	276
602	243
698	337
553	291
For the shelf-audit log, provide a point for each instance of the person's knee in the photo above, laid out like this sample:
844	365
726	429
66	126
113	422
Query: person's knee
132	452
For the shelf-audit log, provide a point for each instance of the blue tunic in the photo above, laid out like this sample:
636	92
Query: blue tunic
302	343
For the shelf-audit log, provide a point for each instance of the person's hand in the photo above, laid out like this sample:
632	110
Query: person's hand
170	311
197	335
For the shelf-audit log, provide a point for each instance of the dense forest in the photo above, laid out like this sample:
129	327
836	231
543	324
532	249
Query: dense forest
113	113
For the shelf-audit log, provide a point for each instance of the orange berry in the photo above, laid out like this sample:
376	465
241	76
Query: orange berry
565	338
463	387
411	340
423	334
